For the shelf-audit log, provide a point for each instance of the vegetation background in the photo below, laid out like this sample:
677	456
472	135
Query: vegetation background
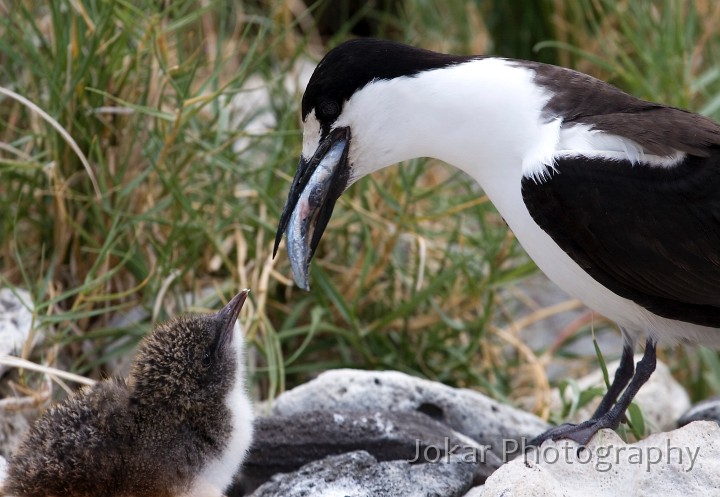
146	150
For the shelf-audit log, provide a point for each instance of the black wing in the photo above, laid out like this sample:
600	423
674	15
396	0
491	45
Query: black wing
651	234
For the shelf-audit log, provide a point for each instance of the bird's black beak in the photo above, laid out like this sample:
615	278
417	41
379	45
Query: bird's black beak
317	185
227	316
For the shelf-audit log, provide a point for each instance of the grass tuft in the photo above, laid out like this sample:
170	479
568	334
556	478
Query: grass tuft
146	149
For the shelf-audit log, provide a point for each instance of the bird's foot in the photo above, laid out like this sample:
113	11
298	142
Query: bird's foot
611	412
580	433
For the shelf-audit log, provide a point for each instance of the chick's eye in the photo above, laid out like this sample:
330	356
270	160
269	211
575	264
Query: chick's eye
206	358
329	108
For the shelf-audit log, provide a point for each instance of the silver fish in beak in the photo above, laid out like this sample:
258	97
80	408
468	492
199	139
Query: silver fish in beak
317	185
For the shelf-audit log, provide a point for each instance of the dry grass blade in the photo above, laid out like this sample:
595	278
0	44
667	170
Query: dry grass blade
18	362
62	131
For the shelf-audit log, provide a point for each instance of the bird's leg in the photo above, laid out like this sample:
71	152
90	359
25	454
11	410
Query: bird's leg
583	432
623	375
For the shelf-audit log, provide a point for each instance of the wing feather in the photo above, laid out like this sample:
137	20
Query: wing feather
650	234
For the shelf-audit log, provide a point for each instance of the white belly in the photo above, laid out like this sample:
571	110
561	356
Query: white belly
565	273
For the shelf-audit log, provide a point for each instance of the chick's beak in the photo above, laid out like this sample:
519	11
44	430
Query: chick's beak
317	185
227	316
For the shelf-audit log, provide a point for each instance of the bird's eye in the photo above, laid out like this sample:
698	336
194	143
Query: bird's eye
329	108
206	359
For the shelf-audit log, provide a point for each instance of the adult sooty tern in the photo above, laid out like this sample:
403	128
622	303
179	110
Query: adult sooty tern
616	199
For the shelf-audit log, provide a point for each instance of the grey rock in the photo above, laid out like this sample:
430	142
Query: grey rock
18	413
683	462
358	474
285	443
708	410
13	427
471	413
3	470
478	492
16	317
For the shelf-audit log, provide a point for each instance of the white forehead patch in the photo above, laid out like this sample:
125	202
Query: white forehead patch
311	135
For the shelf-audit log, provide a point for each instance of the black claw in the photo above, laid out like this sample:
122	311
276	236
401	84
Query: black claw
612	410
580	433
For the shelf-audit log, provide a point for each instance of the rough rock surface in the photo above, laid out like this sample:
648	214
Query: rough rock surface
358	474
708	410
662	399
3	470
386	435
14	424
16	316
682	462
16	413
468	412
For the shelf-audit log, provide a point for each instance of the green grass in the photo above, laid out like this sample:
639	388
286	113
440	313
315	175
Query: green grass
407	275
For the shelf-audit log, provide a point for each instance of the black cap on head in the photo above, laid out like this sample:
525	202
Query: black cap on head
353	64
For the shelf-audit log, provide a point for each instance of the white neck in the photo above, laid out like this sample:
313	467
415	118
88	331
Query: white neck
433	114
